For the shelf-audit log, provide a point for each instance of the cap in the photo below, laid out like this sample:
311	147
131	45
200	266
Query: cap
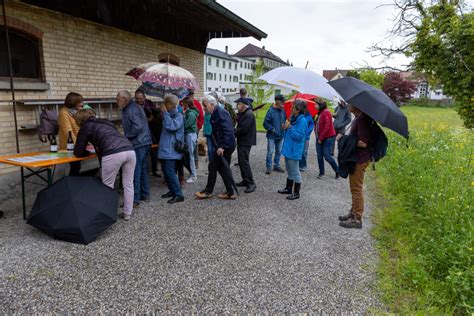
245	101
280	97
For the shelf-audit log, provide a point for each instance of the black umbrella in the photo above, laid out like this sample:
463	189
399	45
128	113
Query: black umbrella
75	209
373	102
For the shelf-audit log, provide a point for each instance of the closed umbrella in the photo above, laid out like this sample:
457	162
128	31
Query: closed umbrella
373	102
301	80
75	209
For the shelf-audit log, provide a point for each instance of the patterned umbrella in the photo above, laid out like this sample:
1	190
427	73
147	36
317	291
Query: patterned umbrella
164	74
159	90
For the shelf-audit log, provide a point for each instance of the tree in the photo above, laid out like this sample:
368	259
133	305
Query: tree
372	77
439	37
397	88
257	88
353	74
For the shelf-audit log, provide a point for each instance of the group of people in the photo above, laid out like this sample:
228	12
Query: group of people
168	133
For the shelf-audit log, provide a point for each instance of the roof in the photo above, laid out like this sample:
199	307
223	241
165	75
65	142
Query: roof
254	51
413	76
190	24
329	74
220	54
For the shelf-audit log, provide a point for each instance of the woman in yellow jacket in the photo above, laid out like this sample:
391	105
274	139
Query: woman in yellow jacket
67	123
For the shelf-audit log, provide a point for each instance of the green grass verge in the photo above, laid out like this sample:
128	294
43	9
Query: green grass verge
260	116
424	232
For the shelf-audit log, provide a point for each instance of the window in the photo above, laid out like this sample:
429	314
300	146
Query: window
240	64
217	89
215	76
217	62
277	92
220	77
25	52
235	66
209	89
236	79
225	77
230	65
209	61
209	76
240	76
422	88
223	64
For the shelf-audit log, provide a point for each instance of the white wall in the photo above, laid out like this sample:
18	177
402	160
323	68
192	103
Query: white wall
224	72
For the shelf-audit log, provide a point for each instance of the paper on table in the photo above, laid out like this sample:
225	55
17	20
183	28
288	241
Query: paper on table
32	158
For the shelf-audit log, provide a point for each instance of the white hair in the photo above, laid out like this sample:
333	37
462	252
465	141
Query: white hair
210	99
171	98
125	93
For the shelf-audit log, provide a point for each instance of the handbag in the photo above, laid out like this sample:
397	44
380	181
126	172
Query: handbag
180	146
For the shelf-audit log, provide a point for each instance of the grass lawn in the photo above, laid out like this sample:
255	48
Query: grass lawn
260	116
424	228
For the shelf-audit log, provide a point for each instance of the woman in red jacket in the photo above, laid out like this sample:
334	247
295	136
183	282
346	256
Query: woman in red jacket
325	137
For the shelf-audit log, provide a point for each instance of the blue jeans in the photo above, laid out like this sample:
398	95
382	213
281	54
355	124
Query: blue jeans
141	186
273	147
210	147
168	166
303	163
325	150
293	168
191	141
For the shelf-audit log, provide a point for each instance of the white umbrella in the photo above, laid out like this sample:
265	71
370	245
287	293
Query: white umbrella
301	80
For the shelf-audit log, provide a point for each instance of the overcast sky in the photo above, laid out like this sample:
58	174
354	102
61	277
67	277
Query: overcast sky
327	33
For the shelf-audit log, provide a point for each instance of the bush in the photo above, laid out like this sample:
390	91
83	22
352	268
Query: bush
425	234
427	103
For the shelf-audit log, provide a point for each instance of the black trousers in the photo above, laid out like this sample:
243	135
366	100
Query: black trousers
243	153
217	165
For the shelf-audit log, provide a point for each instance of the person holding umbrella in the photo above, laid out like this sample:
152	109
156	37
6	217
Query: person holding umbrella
325	138
172	134
224	143
293	146
246	133
361	127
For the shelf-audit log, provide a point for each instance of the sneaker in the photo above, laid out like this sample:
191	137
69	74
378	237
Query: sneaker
268	171
279	169
226	196
191	179
202	195
176	199
351	223
167	195
320	176
124	216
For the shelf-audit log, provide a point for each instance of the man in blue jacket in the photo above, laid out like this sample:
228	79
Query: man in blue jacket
273	124
135	126
224	140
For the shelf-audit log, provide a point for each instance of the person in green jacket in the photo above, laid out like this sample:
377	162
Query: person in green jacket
190	134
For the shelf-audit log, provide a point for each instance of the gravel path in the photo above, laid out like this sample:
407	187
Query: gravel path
260	253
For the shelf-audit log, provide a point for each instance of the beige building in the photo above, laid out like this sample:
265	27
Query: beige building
88	46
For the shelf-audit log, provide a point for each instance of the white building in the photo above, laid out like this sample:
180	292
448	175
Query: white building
227	73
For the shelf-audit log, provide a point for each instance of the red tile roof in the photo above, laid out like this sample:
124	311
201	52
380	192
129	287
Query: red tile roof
255	51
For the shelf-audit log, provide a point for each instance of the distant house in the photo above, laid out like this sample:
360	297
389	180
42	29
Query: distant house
335	74
227	73
270	60
423	88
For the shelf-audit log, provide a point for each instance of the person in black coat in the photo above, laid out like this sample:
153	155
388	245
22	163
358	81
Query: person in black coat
246	133
224	141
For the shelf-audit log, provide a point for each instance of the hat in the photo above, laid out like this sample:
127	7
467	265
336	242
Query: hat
246	101
280	97
87	107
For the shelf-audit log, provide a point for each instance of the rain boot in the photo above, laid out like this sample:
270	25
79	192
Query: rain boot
296	192
288	188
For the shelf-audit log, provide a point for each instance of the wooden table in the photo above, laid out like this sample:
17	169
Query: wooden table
38	167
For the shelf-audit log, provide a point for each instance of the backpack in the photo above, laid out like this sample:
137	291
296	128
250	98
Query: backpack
48	125
379	143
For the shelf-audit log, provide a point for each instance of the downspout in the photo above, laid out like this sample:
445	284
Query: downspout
12	88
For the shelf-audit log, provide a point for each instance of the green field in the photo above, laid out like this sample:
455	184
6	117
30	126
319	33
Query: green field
424	190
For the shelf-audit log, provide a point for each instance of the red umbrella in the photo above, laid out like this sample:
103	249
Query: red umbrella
308	98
